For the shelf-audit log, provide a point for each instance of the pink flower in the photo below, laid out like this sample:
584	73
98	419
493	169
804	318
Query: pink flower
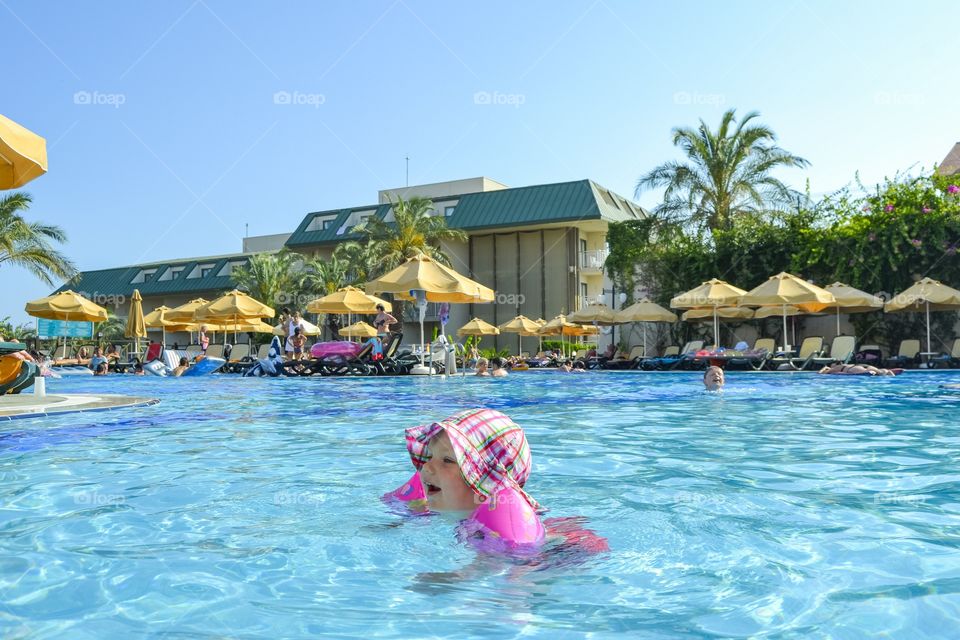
916	242
953	189
927	209
888	208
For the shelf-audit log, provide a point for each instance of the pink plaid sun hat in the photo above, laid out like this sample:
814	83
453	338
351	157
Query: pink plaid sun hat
491	450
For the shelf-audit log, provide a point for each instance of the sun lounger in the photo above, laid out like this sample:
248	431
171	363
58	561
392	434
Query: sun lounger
16	374
335	365
951	359
213	351
755	358
842	348
674	360
630	362
810	348
908	355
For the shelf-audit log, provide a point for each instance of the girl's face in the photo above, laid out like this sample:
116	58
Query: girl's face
442	482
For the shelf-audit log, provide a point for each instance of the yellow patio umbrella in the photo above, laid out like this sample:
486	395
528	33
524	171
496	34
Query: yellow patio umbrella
348	300
711	294
478	327
234	307
785	289
359	330
583	330
424	279
136	328
156	319
929	295
522	326
595	313
557	326
185	313
729	313
645	311
438	282
851	300
66	305
242	326
23	155
309	329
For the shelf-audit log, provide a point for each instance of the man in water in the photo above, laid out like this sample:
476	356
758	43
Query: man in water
713	379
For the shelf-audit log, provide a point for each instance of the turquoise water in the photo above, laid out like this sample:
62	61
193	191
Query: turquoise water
787	506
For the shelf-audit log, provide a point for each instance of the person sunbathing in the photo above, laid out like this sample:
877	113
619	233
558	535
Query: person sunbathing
838	368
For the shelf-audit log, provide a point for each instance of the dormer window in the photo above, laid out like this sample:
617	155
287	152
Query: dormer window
321	223
201	271
171	274
143	275
229	268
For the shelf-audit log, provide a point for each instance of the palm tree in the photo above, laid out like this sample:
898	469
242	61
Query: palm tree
323	276
415	229
16	332
29	244
727	174
271	278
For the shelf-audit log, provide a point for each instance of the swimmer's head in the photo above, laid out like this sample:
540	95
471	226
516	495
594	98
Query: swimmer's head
713	378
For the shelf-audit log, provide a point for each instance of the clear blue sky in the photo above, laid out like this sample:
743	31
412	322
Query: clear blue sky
199	145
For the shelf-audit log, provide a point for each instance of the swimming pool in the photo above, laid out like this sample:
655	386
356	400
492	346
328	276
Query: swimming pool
789	506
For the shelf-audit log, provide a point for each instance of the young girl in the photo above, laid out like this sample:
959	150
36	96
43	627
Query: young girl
475	462
204	339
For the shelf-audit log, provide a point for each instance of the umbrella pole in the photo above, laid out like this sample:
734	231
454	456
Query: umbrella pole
786	347
838	320
716	328
929	350
422	345
645	354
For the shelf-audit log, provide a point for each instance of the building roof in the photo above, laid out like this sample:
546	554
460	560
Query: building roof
120	280
950	164
520	206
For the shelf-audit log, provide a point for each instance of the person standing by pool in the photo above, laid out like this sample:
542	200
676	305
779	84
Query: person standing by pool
204	339
713	379
383	321
298	340
294	323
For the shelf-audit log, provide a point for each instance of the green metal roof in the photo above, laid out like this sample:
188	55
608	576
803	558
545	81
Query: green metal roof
118	281
521	206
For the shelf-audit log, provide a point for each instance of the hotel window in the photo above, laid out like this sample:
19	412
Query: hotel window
143	276
171	274
583	293
321	223
448	211
228	268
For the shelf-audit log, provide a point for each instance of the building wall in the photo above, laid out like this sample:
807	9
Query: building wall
441	189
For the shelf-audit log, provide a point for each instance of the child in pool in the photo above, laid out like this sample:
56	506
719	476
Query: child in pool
476	462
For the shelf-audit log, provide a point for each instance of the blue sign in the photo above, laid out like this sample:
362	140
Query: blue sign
61	328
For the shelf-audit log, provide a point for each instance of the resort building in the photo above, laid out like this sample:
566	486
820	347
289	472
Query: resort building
541	248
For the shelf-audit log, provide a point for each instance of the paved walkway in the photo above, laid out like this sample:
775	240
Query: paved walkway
27	405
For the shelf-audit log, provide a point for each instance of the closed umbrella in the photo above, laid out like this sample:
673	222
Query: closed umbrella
136	328
711	294
424	279
927	295
852	300
646	311
522	326
23	155
785	289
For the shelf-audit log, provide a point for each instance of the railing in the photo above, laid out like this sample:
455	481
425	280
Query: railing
593	259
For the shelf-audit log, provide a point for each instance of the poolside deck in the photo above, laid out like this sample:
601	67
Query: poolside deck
27	405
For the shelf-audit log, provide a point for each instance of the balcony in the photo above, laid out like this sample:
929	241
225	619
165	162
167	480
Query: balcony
591	262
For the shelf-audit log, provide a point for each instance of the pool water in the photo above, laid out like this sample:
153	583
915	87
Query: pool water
788	506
